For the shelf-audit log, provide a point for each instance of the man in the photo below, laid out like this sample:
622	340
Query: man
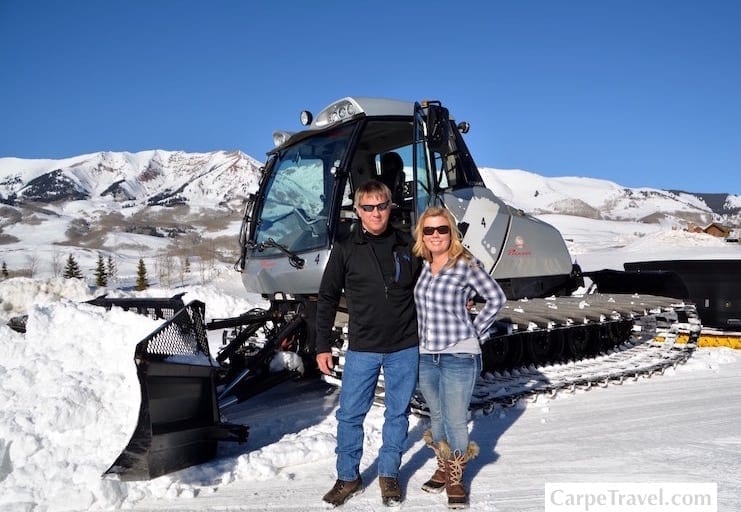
375	268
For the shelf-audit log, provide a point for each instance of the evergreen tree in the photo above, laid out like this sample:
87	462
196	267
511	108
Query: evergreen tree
5	271
187	265
141	276
72	269
101	278
111	269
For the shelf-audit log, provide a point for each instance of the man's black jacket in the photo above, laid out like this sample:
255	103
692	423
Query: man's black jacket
377	274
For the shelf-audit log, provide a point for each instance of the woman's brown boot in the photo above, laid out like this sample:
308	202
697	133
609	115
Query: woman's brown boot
454	468
436	483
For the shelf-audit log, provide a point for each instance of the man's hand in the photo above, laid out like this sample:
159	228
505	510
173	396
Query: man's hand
325	363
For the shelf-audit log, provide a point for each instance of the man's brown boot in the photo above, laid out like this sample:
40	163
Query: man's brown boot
343	491
436	483
390	491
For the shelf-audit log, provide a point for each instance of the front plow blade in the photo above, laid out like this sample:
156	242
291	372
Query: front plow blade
179	422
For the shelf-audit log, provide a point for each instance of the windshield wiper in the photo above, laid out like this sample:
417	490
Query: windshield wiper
294	259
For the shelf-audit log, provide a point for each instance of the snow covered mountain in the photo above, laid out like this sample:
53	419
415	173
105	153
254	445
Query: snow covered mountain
151	204
169	178
163	204
148	178
602	199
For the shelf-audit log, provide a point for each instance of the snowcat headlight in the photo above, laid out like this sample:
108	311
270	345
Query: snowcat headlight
337	112
280	137
306	117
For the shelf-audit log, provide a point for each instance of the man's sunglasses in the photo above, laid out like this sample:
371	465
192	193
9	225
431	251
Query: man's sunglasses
382	207
443	230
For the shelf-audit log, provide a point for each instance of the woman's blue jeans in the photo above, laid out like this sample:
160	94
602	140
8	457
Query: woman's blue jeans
446	382
359	378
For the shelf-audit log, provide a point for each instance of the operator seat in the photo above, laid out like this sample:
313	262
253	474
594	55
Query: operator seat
392	174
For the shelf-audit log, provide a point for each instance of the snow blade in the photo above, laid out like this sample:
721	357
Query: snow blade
179	422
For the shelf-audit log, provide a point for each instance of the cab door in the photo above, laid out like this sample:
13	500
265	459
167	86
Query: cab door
422	164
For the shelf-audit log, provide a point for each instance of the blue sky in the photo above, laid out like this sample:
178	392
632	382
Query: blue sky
640	92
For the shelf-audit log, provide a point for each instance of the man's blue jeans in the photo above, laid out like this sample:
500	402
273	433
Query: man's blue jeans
446	382
359	378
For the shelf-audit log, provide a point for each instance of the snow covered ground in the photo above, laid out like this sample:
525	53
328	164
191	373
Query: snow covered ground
70	400
679	427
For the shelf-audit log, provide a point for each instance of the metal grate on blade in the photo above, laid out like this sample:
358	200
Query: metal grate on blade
183	335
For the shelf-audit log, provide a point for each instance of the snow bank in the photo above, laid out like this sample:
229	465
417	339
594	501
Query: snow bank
71	399
18	294
70	402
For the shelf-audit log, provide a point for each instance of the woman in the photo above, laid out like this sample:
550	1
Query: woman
450	350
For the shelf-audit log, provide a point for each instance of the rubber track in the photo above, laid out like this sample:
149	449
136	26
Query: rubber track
654	318
641	356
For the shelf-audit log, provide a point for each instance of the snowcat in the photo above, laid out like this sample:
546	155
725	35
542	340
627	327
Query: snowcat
304	203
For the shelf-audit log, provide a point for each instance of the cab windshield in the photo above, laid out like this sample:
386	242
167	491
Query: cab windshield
296	205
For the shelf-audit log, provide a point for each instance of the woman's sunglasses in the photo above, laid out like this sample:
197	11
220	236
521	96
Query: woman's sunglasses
443	230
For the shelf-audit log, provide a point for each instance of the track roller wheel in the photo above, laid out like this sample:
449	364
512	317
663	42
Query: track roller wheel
612	334
502	352
577	342
544	346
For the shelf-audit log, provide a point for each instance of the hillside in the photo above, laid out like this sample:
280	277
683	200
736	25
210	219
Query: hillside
602	199
169	206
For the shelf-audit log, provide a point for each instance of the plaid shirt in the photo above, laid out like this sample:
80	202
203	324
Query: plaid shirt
441	299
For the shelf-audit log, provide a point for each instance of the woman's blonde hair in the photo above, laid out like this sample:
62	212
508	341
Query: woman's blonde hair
456	250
